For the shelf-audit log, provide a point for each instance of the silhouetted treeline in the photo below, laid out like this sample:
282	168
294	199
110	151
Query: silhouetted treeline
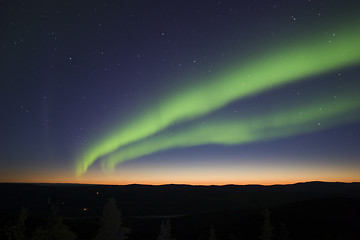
330	216
111	227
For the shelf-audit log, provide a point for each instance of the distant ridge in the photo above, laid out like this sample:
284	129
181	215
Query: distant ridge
180	185
167	199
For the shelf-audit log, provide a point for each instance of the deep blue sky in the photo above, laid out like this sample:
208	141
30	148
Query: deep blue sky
71	69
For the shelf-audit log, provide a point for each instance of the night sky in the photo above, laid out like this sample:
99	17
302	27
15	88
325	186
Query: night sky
193	92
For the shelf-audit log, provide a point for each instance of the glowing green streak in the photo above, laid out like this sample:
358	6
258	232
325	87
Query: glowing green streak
279	67
298	120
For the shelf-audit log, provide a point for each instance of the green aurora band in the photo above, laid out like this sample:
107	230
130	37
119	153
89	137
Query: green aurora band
305	118
278	67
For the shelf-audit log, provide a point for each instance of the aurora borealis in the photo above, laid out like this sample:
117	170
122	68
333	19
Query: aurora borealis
196	101
283	124
141	88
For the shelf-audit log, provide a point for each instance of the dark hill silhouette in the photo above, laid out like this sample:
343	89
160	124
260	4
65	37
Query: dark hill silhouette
142	200
307	209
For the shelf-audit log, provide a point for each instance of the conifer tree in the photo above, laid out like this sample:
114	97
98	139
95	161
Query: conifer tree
111	223
267	229
165	231
284	232
55	228
17	231
212	235
232	237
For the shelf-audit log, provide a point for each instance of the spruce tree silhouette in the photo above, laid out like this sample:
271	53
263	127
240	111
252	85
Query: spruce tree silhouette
232	236
111	223
165	231
284	232
266	228
212	235
17	231
55	228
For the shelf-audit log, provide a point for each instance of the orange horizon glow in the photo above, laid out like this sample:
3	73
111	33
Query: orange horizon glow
172	183
253	172
108	180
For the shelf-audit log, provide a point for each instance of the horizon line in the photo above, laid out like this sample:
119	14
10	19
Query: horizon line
178	184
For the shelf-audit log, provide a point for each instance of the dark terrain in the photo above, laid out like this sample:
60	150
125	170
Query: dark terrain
315	210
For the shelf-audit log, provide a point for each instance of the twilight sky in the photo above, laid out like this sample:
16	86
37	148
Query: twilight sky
195	92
